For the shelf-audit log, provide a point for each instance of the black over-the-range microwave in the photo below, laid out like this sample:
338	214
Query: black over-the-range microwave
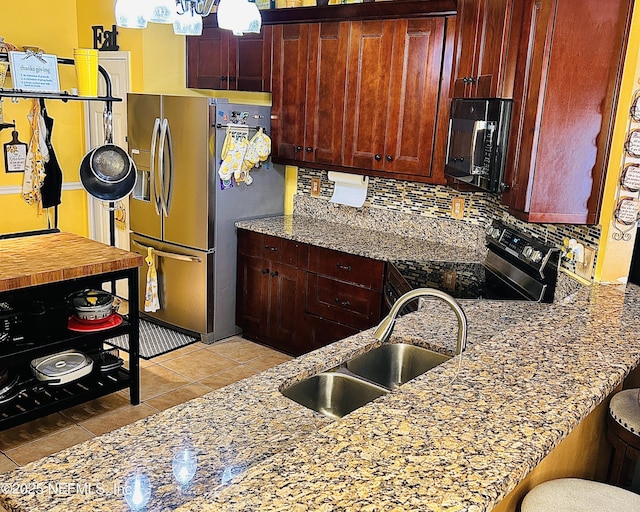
477	143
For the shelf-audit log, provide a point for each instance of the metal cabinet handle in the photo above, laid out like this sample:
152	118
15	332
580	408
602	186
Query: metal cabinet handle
377	158
389	158
264	271
274	274
223	78
309	149
343	267
298	148
344	303
232	79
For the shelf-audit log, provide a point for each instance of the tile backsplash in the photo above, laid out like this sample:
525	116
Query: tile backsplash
390	201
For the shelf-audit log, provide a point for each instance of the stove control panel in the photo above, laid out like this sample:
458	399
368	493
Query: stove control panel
526	249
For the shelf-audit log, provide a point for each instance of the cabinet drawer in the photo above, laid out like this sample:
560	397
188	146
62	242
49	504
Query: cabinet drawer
272	248
346	267
342	302
284	251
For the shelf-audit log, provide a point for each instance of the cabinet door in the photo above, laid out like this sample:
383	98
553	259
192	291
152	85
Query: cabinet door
368	80
564	102
468	26
219	60
208	59
251	295
284	298
326	89
290	63
413	96
250	57
482	43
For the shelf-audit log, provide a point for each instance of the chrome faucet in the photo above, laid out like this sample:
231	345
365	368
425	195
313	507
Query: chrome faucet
384	328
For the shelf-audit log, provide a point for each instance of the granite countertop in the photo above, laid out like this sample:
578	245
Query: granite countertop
376	244
459	437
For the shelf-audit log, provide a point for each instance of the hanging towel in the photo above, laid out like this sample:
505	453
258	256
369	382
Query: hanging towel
37	156
151	301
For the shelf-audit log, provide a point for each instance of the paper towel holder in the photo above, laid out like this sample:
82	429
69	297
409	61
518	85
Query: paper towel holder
349	189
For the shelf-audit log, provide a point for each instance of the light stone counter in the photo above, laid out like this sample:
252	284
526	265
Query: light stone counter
376	244
457	438
460	437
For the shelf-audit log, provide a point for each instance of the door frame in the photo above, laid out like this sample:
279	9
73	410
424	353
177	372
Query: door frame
115	63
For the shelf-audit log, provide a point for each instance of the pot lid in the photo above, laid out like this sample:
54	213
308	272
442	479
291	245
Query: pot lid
90	299
60	364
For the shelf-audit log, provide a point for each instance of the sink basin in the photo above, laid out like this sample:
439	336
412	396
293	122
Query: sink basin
333	394
394	364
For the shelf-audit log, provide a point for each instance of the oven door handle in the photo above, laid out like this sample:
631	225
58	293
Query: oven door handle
478	126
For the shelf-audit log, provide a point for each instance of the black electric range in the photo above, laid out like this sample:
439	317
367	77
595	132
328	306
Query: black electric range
516	267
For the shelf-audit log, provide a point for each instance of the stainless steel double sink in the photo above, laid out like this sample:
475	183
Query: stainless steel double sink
364	378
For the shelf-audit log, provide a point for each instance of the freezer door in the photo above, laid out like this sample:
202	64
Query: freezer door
143	118
185	285
190	213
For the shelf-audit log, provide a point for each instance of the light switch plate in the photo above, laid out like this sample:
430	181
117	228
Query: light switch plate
457	207
315	187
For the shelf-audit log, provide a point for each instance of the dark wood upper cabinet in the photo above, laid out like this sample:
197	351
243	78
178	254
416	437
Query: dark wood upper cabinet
373	92
219	60
289	90
569	64
326	90
486	44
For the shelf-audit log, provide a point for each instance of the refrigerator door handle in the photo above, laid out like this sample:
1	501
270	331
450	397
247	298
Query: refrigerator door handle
168	179
153	169
170	255
161	193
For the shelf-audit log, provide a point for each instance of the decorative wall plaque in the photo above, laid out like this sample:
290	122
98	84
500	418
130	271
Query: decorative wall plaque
627	211
34	71
630	179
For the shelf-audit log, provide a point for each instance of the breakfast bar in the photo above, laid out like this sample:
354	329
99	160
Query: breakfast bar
460	437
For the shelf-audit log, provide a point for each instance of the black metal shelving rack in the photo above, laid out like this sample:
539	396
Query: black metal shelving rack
37	401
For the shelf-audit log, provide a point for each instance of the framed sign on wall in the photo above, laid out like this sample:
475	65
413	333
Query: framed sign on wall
34	71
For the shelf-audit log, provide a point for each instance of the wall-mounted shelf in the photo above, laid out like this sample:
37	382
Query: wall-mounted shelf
64	96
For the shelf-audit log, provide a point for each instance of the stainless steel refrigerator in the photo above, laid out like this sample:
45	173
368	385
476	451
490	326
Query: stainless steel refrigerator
179	208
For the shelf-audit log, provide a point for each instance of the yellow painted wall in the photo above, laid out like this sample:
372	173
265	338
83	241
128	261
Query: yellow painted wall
158	64
614	256
54	30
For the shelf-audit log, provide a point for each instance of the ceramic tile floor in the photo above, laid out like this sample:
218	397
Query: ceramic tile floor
166	380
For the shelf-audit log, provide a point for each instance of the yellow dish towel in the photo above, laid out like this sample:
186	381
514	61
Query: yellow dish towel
151	301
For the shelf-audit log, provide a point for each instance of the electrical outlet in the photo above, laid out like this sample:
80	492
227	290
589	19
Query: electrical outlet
315	187
449	280
585	268
457	207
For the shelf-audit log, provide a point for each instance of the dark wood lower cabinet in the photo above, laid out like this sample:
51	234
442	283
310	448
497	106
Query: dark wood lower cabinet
297	298
268	298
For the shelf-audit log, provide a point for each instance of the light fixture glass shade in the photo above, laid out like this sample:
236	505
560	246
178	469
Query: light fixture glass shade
130	14
188	24
161	11
239	16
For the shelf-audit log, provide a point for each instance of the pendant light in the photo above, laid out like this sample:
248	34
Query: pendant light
130	14
188	22
161	11
239	16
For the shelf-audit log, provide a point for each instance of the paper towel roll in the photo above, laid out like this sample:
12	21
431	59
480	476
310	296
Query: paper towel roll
349	189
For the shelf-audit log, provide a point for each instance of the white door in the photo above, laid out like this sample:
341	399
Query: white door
117	65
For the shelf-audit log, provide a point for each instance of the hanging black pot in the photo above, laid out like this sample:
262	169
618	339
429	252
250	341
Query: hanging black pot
108	173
